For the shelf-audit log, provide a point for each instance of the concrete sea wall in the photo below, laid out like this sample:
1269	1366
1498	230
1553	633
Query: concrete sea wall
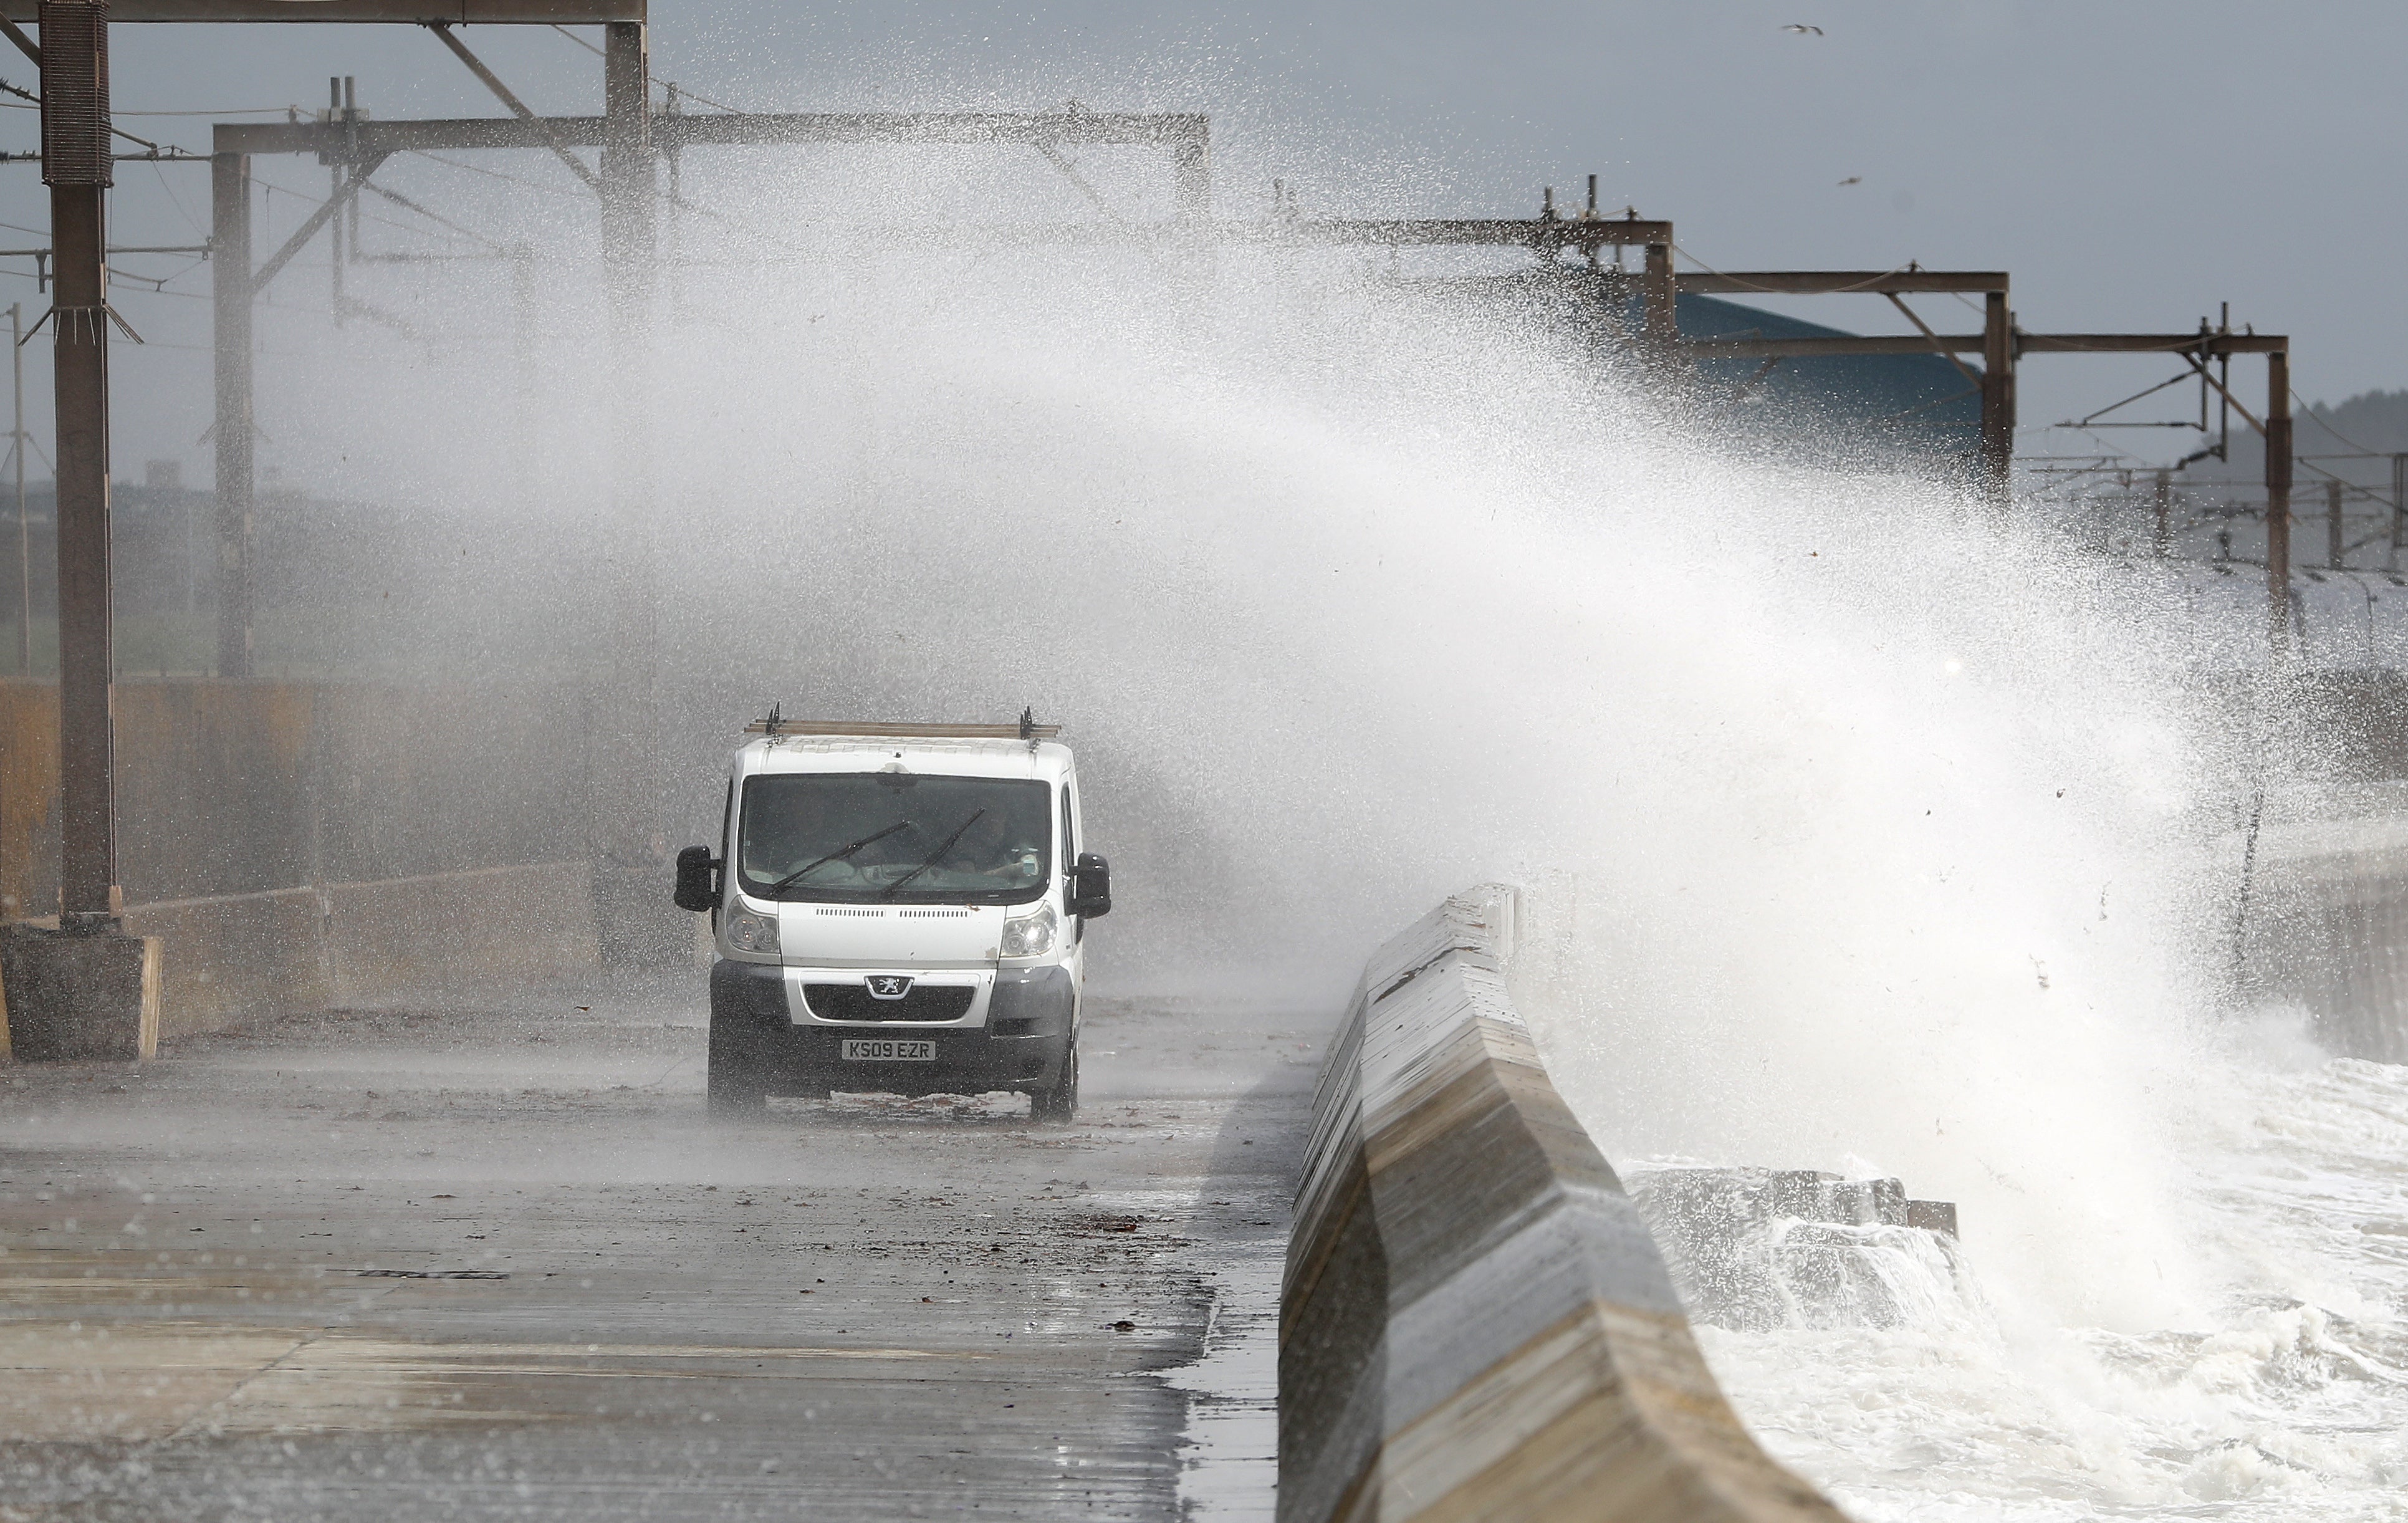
238	959
227	787
294	845
241	958
2325	927
1475	1323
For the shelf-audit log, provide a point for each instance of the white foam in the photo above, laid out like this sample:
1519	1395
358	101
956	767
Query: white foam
2287	1399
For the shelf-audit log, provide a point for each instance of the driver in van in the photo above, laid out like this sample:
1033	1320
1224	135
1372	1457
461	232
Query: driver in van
986	851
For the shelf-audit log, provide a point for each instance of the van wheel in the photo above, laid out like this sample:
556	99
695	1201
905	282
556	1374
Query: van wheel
1058	1101
737	1081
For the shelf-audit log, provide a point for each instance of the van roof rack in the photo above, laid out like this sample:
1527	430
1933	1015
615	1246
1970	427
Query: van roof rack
1026	730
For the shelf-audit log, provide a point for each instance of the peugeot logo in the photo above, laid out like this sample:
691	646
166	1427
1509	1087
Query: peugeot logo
889	986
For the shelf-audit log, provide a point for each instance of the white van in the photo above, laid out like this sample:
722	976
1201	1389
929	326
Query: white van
898	908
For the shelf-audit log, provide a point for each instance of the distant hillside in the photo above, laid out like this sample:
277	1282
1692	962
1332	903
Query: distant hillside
2371	422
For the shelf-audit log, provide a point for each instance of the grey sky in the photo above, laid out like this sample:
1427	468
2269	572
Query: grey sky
2130	163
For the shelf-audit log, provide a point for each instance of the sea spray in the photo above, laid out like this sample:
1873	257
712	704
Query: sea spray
1859	819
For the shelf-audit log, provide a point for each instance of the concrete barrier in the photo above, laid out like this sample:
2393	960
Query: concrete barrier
247	787
2326	927
234	960
1475	1323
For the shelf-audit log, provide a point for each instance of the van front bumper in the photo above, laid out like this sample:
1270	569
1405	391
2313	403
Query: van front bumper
1031	1017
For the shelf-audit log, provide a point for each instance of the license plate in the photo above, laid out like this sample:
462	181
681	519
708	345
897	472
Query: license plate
885	1051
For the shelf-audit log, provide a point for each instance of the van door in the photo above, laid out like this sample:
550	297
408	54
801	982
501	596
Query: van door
1069	858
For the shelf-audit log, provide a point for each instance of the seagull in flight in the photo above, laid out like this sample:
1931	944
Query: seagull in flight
1803	29
1853	179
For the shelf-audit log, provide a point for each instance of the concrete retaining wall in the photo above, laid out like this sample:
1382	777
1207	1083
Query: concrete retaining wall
1475	1323
2326	927
239	958
232	788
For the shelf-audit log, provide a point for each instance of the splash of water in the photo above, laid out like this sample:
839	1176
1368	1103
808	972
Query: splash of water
2286	1398
1860	824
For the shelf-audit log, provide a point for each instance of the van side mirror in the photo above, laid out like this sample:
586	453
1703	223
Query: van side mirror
1091	887
697	878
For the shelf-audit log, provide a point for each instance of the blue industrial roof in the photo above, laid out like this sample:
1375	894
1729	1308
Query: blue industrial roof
1917	402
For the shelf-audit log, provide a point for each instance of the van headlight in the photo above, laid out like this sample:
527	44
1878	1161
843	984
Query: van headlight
750	932
1031	936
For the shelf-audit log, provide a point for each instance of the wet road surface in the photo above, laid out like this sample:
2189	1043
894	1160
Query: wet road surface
461	1263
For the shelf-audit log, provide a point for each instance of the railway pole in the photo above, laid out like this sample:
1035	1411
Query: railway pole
1998	396
2278	506
85	990
2398	511
1192	173
1660	299
17	452
76	167
236	441
635	922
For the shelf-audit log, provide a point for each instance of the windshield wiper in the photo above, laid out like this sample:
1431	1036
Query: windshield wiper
897	884
795	877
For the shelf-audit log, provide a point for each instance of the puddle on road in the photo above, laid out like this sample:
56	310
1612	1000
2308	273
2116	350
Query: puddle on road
159	1380
1230	1468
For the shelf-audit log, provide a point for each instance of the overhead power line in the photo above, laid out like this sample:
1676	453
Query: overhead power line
36	100
497	174
237	111
2325	423
365	216
231	110
674	88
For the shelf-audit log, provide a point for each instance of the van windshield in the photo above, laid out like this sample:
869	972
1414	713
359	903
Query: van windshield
874	838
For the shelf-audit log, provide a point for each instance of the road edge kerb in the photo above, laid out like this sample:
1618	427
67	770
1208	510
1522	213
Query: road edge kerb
1474	1322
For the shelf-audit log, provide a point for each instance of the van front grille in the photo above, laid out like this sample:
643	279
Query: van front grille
926	1002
